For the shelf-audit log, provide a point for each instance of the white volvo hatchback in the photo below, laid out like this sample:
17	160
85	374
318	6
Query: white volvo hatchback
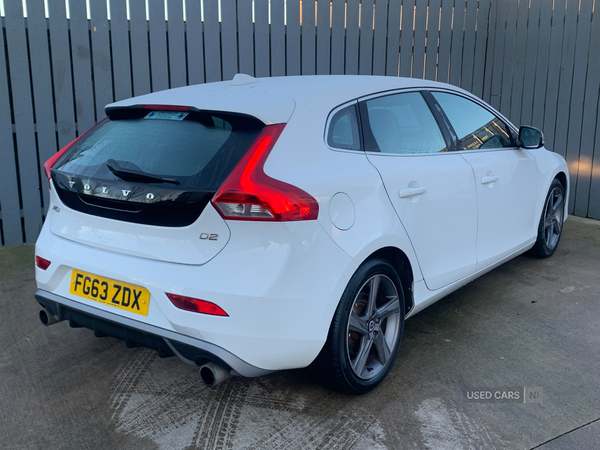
257	225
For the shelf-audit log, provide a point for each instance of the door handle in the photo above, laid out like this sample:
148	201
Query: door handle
489	179
411	192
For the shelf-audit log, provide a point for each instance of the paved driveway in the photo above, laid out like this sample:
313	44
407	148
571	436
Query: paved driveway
530	323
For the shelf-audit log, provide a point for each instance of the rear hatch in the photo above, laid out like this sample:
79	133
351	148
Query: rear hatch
141	181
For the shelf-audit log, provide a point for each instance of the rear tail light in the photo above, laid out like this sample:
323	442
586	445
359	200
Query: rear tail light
248	193
42	263
48	164
196	305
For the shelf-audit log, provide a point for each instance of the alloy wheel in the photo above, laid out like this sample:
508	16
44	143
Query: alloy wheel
553	218
373	326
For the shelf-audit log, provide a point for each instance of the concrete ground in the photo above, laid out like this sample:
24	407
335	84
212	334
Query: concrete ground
528	324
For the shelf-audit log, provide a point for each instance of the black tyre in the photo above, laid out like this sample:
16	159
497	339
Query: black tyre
551	222
365	331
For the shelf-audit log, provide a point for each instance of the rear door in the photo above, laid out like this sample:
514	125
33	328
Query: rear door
432	190
506	177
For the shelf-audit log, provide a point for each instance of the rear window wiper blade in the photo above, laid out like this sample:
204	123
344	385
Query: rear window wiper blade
136	175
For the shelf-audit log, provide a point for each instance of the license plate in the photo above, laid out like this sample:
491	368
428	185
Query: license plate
128	297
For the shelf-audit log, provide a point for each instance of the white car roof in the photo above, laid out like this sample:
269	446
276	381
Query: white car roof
273	100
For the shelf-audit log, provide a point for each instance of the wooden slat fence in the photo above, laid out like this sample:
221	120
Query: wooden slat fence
537	61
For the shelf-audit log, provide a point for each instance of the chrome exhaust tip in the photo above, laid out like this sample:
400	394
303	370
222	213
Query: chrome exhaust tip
47	319
212	374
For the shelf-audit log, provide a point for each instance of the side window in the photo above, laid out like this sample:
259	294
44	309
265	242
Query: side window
475	127
343	129
403	124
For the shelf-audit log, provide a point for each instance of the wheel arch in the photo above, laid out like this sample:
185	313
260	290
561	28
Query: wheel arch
398	259
562	177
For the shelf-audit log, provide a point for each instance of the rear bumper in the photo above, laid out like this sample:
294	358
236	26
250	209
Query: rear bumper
278	282
167	343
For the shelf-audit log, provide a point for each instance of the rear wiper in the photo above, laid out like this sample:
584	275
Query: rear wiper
136	175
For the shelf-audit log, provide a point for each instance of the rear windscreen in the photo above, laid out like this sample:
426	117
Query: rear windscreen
195	149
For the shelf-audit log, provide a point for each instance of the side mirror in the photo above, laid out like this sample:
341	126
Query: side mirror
530	137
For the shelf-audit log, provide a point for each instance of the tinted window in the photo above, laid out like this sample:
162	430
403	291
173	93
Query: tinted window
475	126
343	130
153	167
403	123
197	149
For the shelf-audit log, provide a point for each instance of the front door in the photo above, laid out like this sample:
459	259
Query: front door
504	174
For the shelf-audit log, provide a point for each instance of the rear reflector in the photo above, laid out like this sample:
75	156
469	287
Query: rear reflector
248	193
42	263
196	305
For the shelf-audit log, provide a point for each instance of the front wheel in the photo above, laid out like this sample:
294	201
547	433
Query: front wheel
365	332
551	222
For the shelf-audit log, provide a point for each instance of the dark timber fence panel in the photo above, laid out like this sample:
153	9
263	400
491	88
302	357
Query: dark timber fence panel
23	120
542	68
433	37
445	41
561	128
507	61
457	42
81	55
10	218
352	36
277	40
41	81
140	55
176	45
556	35
64	105
338	13
588	129
482	40
535	60
406	38
526	105
292	39
469	46
159	73
245	37
261	38
102	61
323	39
578	93
419	41
365	63
379	38
513	103
307	19
120	56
